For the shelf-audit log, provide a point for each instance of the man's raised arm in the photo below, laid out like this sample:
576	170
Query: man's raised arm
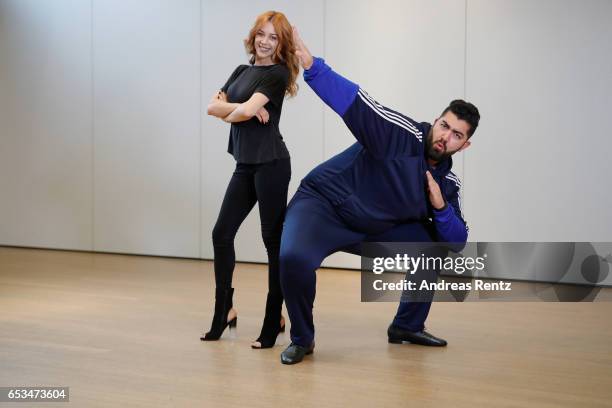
382	131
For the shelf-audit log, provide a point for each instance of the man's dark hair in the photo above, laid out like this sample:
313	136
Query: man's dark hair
465	111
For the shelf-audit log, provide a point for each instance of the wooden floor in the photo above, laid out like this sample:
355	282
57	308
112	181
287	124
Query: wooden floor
122	331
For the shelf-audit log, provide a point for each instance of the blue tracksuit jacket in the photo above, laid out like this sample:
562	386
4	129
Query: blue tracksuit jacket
380	181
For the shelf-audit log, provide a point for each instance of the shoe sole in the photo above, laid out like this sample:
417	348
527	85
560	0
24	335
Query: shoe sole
399	342
393	341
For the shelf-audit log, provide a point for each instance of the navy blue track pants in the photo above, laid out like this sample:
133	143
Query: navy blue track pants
313	231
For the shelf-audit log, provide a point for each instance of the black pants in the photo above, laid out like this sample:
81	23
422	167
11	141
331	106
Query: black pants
267	184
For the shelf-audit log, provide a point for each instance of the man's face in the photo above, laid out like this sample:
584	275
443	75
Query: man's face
447	136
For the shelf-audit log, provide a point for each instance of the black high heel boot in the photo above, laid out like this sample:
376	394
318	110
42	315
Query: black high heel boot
223	304
272	322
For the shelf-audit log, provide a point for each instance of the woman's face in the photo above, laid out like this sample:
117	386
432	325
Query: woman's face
266	42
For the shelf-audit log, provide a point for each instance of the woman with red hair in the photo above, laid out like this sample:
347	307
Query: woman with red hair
251	100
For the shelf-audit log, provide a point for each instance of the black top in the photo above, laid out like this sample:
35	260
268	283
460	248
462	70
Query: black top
251	141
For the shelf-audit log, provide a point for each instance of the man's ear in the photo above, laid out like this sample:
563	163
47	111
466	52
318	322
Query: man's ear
465	146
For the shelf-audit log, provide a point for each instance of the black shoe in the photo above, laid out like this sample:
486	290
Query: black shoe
295	353
400	336
273	323
223	304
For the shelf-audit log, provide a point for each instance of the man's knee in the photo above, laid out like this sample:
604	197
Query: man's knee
292	259
296	265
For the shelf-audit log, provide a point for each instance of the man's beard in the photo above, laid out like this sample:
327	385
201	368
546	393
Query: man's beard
432	153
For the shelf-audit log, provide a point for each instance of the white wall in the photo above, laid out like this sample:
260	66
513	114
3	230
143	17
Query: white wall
147	126
539	169
45	124
104	145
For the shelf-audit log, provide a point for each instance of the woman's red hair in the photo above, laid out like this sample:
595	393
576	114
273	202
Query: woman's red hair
285	52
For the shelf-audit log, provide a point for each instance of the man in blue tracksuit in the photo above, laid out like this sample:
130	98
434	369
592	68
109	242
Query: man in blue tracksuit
393	185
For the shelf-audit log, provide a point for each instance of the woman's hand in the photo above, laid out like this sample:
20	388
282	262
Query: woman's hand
219	106
262	115
218	97
215	98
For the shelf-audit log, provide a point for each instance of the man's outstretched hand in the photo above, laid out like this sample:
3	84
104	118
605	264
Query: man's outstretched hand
301	50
